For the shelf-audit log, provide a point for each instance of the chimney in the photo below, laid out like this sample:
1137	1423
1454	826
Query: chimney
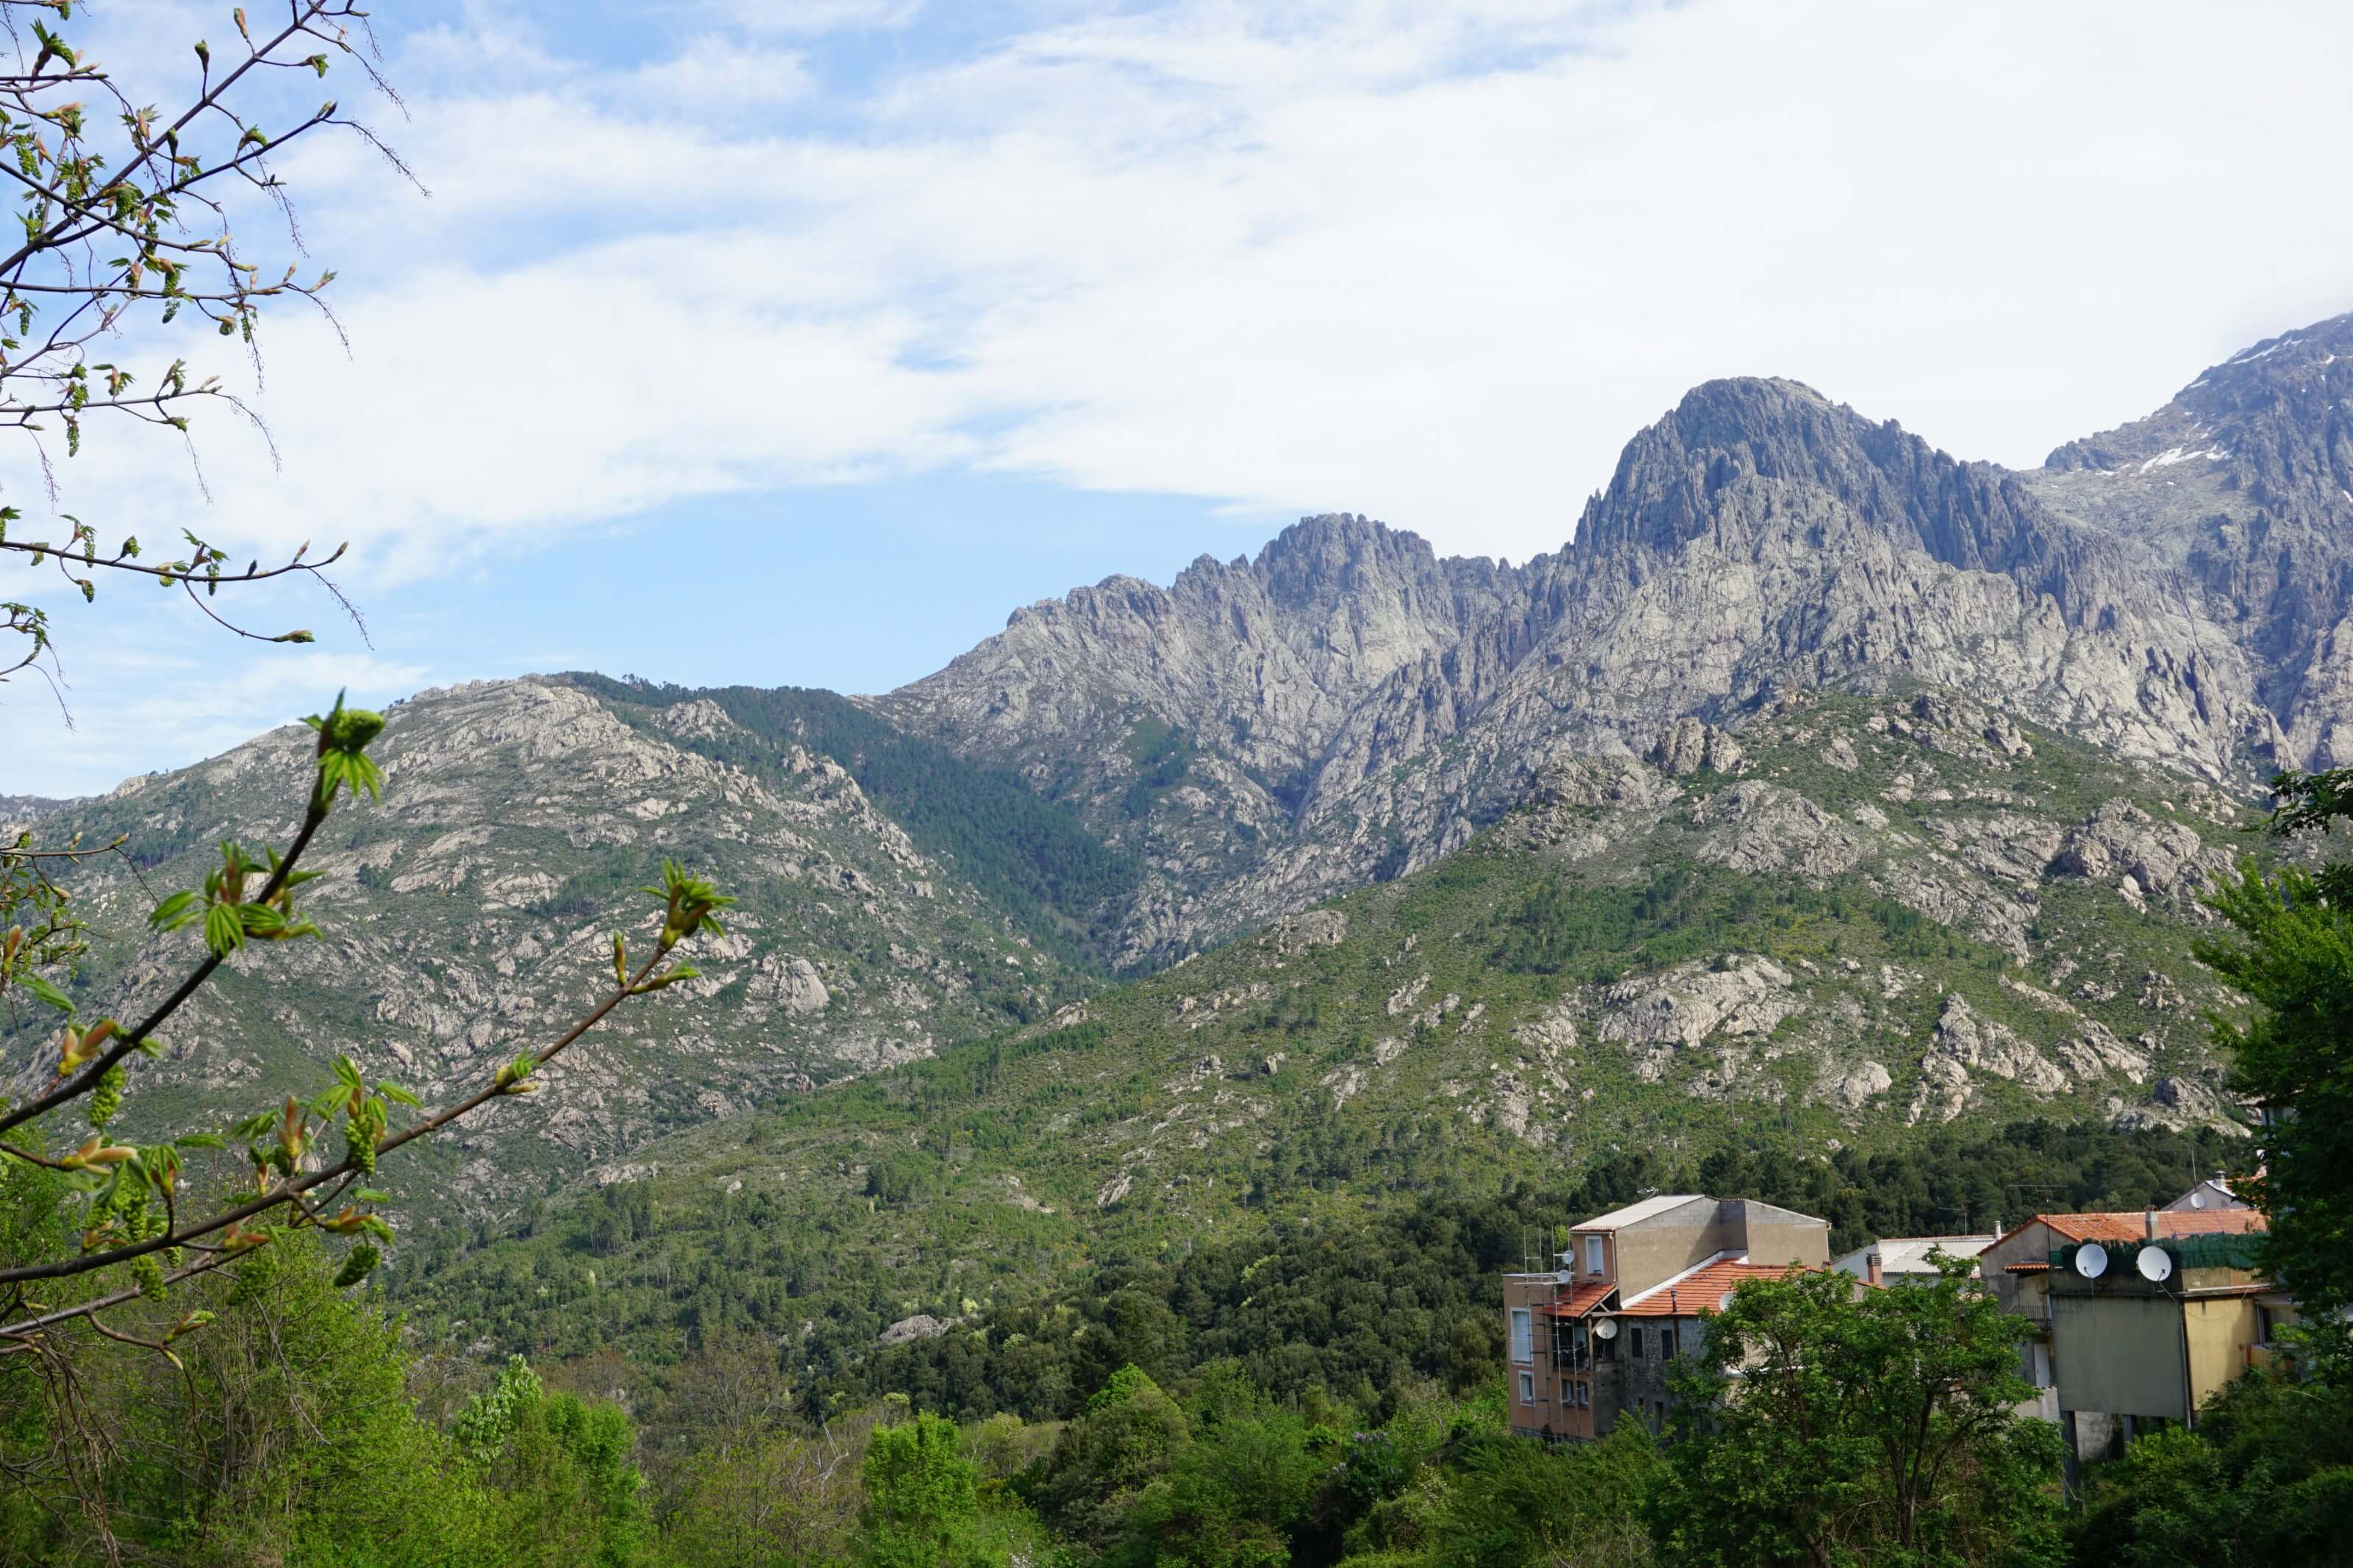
1870	1270
2148	1223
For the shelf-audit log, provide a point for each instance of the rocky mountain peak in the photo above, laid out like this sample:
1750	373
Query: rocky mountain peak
1317	557
1734	449
2270	416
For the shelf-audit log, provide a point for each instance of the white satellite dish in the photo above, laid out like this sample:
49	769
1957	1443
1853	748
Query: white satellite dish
1607	1329
1724	1302
2091	1260
2155	1265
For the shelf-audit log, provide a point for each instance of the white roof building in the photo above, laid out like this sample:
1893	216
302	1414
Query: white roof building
1907	1257
2212	1195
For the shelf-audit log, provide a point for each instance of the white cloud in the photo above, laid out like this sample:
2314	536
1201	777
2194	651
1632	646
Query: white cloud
1430	263
808	18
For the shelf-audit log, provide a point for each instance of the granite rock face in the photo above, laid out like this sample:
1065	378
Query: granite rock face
470	915
2179	592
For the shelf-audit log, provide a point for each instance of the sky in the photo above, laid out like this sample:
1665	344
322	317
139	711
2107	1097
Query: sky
797	342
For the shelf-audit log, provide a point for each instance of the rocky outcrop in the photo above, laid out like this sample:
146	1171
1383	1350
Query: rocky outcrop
470	911
1687	746
921	1326
1858	1087
1306	932
2144	857
19	812
1762	828
1967	1043
1658	1016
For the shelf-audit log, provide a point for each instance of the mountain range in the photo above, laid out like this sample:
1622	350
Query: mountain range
2175	591
1937	756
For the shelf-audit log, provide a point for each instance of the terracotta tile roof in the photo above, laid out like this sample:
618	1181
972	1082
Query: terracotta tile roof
1703	1291
2135	1226
2028	1269
1582	1300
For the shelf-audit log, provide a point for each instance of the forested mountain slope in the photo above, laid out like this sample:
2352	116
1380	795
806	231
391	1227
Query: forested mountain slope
1853	924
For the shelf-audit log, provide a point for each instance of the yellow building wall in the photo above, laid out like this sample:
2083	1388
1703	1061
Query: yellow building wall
2220	1332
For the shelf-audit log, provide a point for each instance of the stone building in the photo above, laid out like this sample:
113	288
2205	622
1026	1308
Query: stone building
1591	1342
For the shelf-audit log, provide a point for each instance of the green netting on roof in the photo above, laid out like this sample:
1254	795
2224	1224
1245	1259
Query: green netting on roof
2214	1251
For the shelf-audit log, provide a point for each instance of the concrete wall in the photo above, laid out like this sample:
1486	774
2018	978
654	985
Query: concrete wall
2119	1354
1652	1250
1664	1244
1531	1292
1780	1236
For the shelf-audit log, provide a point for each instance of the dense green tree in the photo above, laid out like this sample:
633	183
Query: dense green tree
2264	1481
1129	1434
1515	1504
1234	1498
559	1484
785	1501
2292	958
1827	1424
289	1438
921	1498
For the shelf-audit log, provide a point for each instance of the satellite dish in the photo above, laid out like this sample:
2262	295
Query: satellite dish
1724	1302
1607	1329
2155	1265
2091	1260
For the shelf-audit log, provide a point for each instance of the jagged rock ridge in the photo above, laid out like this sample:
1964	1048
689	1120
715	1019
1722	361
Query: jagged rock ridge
2176	592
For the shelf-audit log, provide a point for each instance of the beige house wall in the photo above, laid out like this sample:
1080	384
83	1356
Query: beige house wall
2220	1331
1664	1244
1657	1248
1777	1235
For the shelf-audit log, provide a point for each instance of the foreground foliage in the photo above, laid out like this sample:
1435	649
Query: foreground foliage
2293	959
1824	1422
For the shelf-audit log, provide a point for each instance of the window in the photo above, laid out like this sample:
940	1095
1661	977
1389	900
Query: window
1527	1384
1523	1334
2039	1373
1667	1340
1585	1397
1592	1256
1633	1341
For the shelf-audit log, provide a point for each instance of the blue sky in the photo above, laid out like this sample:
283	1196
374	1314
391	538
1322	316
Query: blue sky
799	342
